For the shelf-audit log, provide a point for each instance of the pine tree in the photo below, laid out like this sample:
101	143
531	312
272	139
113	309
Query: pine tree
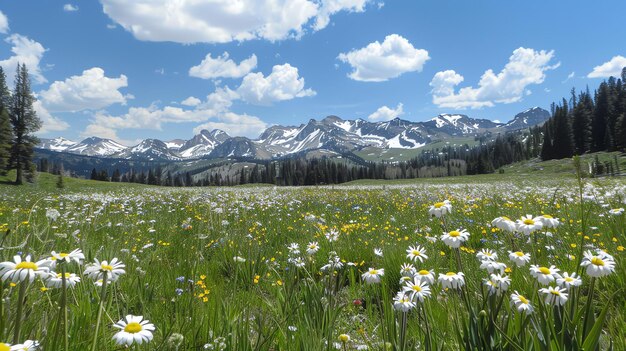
25	122
60	181
598	122
6	132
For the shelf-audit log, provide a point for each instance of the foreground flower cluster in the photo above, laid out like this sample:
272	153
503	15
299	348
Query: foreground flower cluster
429	267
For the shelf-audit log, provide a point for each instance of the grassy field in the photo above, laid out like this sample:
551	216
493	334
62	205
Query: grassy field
218	268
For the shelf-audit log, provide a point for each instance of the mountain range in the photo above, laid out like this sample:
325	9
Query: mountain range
331	133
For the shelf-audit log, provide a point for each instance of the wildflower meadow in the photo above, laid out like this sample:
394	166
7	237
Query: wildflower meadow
530	264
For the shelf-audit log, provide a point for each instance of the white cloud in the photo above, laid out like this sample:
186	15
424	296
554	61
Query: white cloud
191	101
4	23
385	113
222	67
612	68
331	7
25	51
235	124
50	123
380	62
90	91
223	21
70	8
284	83
525	67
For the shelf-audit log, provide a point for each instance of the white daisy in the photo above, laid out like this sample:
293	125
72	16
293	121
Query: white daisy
504	223
544	275
527	224
134	329
113	269
55	280
76	256
455	238
440	208
492	266
498	283
598	265
20	270
378	252
616	211
548	221
519	258
487	254
312	248
568	280
407	270
417	289
373	276
452	280
416	253
426	276
402	302
521	303
554	295
28	345
332	235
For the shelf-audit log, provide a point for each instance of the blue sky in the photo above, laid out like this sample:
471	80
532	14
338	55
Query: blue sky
126	72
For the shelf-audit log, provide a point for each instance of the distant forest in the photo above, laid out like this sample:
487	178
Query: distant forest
585	123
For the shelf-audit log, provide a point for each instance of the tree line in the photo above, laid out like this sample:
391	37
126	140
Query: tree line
588	122
18	123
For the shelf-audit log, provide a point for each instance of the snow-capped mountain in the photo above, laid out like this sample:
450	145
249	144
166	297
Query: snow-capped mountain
331	134
460	124
56	144
94	146
148	150
202	144
531	117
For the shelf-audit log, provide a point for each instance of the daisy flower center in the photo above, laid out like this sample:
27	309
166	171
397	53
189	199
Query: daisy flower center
67	275
26	265
555	292
547	216
107	267
597	261
506	218
417	288
439	205
523	299
544	270
424	272
416	253
450	274
529	222
569	279
133	328
454	233
519	254
373	271
63	254
4	347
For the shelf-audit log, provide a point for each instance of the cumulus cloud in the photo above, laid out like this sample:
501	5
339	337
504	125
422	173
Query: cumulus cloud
4	23
525	67
70	8
191	101
385	113
611	68
25	51
223	21
50	123
234	124
222	67
284	83
378	62
331	7
92	90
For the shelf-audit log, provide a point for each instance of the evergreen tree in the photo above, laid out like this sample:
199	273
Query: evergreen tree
60	181
25	122
6	133
599	122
